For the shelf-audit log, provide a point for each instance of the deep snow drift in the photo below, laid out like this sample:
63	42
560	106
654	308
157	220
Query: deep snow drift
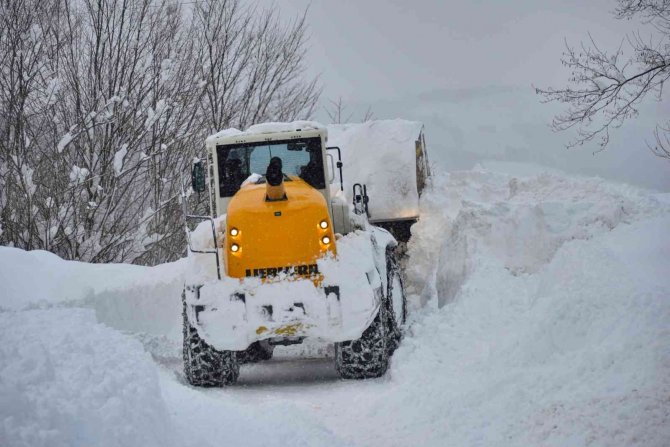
66	380
541	315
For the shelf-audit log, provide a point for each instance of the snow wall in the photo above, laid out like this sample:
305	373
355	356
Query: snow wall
545	312
126	297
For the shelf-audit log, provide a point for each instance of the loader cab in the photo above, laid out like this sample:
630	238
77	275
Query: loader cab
244	157
238	162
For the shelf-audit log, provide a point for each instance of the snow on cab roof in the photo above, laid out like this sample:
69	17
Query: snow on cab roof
263	128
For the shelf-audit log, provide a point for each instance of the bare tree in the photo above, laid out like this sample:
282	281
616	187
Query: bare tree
337	114
122	127
104	104
606	88
29	42
368	115
253	65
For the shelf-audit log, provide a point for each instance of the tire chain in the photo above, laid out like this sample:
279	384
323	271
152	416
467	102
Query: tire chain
203	365
366	357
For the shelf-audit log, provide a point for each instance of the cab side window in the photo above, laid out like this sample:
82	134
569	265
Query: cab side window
232	171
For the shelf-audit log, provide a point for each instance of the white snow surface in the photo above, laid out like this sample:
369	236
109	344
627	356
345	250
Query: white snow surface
127	297
119	156
64	141
540	315
66	380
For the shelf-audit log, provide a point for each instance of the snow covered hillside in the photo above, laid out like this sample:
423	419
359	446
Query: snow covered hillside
540	316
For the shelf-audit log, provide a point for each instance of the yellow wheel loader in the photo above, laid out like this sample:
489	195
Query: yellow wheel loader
284	257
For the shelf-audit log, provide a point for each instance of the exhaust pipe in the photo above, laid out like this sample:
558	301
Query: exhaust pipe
274	181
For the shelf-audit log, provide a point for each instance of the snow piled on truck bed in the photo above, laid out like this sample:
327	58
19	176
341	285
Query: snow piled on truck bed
382	155
540	316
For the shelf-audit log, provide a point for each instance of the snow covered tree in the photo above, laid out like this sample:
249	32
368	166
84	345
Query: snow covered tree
104	103
121	108
606	88
253	65
29	42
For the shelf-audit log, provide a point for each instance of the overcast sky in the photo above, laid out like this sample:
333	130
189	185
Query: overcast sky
375	48
375	52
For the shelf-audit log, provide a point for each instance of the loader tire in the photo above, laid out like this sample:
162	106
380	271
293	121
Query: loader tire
368	356
396	302
203	365
256	352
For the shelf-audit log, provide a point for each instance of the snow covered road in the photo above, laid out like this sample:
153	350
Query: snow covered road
541	316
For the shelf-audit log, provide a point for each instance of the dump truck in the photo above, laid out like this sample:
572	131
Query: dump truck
285	254
390	158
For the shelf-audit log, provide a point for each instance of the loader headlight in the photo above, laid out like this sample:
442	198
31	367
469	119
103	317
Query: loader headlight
234	248
325	240
324	224
234	231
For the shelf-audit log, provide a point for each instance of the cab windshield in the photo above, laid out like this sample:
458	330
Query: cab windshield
301	157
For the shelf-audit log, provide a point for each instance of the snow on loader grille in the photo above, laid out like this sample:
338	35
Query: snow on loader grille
231	314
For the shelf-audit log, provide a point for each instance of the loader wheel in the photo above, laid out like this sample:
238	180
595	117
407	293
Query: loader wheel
366	357
396	302
256	352
204	365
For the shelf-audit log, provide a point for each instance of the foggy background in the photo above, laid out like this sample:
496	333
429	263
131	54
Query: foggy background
466	69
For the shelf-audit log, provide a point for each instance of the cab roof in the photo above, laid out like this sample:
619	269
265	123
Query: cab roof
268	131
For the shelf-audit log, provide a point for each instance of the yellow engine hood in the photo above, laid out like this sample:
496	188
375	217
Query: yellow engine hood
274	237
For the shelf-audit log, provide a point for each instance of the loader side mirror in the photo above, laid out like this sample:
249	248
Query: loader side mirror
339	163
198	176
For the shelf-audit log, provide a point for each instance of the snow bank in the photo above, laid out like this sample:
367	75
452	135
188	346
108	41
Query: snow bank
520	220
150	304
127	297
39	278
366	147
554	315
66	380
576	354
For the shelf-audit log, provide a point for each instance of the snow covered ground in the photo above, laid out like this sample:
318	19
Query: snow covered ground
540	316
